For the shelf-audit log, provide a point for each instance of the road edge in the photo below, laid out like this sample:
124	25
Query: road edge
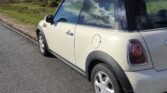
19	31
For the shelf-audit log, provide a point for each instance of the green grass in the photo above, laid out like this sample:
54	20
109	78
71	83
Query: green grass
30	13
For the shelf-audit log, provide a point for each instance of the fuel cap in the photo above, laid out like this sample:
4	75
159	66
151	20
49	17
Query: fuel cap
96	41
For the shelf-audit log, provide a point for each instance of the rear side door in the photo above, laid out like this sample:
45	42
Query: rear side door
62	32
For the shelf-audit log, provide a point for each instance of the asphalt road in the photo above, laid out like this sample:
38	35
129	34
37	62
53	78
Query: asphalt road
24	70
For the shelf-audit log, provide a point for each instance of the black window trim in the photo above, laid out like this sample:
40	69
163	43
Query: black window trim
130	16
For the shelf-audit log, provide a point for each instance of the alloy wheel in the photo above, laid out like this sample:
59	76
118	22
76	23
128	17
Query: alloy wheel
102	83
41	44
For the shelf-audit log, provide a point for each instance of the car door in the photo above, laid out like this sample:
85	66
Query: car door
62	32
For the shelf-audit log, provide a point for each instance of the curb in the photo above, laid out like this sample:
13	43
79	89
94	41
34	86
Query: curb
19	31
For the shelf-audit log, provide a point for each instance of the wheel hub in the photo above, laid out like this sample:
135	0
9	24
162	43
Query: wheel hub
41	44
103	83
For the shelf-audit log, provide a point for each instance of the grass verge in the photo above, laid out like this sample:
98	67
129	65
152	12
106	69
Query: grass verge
30	13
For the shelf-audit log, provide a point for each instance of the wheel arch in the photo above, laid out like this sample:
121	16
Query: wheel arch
39	30
97	57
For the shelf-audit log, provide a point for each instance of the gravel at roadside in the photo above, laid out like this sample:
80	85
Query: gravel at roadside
26	29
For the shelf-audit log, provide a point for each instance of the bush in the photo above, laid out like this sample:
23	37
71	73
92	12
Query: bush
55	3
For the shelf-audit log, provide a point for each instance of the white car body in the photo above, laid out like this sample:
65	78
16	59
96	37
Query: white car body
75	42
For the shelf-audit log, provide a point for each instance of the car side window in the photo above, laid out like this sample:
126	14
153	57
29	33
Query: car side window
99	13
69	11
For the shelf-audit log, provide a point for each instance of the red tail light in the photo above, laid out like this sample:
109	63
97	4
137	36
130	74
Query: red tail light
136	53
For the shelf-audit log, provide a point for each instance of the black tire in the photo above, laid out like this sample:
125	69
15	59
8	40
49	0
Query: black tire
42	40
105	72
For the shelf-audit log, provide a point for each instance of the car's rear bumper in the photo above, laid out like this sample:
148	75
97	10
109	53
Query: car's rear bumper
148	81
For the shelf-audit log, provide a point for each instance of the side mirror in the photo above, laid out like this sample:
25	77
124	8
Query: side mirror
49	19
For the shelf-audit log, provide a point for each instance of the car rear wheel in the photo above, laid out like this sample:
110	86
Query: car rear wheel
104	81
42	45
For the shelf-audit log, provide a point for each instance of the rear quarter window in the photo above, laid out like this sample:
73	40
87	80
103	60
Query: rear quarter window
151	14
153	6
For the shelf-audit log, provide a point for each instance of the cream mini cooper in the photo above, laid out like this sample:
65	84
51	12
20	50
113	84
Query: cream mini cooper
119	45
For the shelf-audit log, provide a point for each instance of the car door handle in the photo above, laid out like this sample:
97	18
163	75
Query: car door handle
69	33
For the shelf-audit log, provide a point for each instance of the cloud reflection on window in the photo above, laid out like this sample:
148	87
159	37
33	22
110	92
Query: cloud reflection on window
99	13
73	6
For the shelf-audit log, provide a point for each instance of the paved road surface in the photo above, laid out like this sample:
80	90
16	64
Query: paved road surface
24	70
